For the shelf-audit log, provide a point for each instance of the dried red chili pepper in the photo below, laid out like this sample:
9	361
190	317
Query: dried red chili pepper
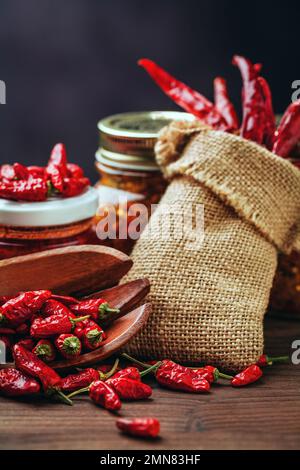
98	309
68	345
28	363
21	172
130	390
223	103
103	394
254	110
270	121
74	186
92	337
20	309
141	427
37	171
57	167
27	343
81	326
74	171
82	379
128	373
211	374
249	375
54	307
53	326
288	132
45	350
265	360
32	190
184	96
14	383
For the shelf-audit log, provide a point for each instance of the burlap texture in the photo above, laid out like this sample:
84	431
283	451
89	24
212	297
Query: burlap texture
209	299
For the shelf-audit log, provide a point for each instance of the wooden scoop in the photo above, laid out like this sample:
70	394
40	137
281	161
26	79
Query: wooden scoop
77	270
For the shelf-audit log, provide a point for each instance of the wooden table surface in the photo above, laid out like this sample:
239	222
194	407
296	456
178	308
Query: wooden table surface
262	416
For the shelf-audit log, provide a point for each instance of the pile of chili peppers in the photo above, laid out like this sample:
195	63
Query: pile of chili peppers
36	183
258	120
38	326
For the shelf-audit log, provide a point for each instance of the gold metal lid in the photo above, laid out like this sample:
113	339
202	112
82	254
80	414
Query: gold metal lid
135	133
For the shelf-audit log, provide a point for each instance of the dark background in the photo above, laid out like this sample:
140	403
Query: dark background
68	63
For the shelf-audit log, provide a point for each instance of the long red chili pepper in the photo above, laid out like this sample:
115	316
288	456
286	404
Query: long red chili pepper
129	389
32	190
68	345
266	360
223	103
20	309
53	326
288	133
270	121
54	307
57	167
254	114
249	375
142	427
45	350
82	379
184	96
14	383
28	363
98	309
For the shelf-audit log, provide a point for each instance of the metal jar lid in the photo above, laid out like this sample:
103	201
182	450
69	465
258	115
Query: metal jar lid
136	133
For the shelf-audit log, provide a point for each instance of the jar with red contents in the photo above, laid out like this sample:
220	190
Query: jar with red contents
36	226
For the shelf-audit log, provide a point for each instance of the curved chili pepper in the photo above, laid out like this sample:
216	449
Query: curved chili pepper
54	307
288	133
20	309
74	186
184	96
103	394
57	167
14	383
142	427
82	379
223	103
254	116
45	350
270	122
21	172
265	360
32	190
247	376
92	337
98	309
53	326
68	345
130	390
28	363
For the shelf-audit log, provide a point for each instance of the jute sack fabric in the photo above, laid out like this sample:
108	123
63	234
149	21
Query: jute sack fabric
209	298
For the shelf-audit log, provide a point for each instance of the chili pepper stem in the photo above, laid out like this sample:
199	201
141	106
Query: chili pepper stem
272	360
111	372
225	376
136	361
79	319
151	369
63	398
78	392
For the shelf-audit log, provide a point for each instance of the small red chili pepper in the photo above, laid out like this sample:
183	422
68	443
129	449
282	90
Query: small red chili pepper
288	133
27	343
80	327
211	374
32	190
68	345
7	172
103	394
130	390
53	326
187	98
92	337
98	309
141	427
82	379
45	350
54	307
28	363
247	376
57	167
74	171
128	373
74	186
265	360
270	121
223	103
65	299
20	309
14	383
21	172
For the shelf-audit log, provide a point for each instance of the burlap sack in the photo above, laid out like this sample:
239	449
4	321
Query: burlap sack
209	302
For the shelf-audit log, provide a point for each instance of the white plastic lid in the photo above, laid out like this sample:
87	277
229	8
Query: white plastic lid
54	211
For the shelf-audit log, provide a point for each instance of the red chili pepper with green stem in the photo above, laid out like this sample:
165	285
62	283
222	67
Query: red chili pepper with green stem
20	309
245	377
45	350
92	337
141	427
98	309
68	345
84	378
129	389
14	383
53	326
266	360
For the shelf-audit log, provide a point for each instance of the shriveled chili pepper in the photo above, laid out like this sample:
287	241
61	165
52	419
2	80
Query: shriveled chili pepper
141	427
65	299
266	360
53	326
98	309
21	172
14	383
81	326
92	337
32	190
57	167
45	350
103	394
54	307
74	186
270	121
74	171
184	96
128	373
129	389
27	343
254	110
211	374
20	309
80	380
288	132
68	345
223	103
249	375
28	363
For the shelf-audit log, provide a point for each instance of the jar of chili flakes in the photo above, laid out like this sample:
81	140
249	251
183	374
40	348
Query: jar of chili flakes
35	226
127	167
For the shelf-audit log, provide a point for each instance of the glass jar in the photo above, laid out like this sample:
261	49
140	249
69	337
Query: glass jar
32	227
127	167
